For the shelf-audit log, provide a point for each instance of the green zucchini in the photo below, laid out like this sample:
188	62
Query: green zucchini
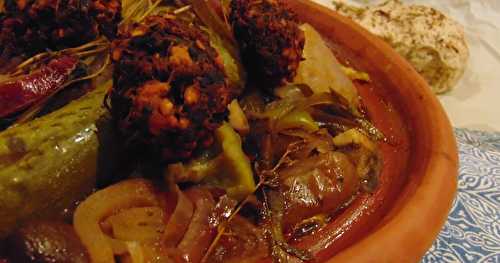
49	163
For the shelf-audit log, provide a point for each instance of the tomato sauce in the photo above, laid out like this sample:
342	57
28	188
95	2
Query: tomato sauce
367	211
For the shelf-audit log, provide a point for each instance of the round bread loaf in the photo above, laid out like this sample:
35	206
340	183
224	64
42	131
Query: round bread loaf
432	42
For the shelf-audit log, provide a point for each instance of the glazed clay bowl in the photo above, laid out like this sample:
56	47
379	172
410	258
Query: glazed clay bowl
402	218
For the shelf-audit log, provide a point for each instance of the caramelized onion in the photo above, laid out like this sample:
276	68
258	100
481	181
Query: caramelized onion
323	183
244	242
200	233
178	221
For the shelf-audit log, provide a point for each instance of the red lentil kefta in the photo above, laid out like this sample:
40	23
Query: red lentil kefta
170	89
28	27
270	40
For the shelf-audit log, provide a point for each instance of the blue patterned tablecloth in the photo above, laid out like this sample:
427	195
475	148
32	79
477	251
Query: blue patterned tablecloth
472	232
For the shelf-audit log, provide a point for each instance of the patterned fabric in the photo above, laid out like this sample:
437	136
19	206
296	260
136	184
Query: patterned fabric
472	232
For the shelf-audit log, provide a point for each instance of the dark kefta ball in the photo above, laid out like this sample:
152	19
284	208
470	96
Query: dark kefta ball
170	90
270	40
29	27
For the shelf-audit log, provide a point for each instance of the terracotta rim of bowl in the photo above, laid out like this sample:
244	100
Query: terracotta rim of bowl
416	218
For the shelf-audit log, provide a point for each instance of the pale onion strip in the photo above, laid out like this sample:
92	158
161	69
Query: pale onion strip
119	247
104	203
200	234
135	251
179	221
141	224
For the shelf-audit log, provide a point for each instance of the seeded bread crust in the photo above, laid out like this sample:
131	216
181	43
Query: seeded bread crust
432	42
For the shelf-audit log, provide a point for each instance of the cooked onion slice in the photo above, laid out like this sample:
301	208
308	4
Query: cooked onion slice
318	184
200	233
142	224
104	203
178	221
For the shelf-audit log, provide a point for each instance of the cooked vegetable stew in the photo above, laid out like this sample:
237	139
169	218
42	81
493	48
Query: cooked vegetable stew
220	131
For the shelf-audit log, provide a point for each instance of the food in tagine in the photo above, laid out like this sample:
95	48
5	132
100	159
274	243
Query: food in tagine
67	167
269	37
61	43
46	241
34	26
247	180
18	94
48	81
170	89
63	137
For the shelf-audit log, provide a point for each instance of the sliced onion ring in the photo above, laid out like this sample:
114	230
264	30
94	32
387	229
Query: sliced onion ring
199	234
104	203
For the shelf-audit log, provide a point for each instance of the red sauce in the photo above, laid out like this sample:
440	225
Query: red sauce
366	212
368	209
